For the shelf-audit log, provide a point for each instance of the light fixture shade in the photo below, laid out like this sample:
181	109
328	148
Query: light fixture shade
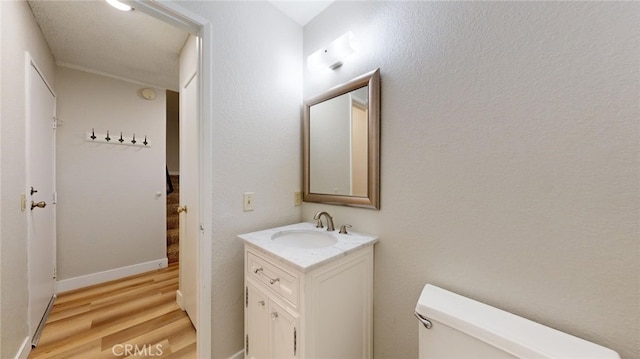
333	55
118	5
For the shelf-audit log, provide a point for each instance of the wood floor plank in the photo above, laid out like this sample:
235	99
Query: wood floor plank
108	301
129	333
156	340
181	338
75	324
105	329
131	308
86	293
81	296
187	352
99	321
87	350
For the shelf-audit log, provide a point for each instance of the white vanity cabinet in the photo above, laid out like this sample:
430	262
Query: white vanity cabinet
319	311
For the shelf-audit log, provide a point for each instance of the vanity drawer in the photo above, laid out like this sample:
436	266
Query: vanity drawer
276	278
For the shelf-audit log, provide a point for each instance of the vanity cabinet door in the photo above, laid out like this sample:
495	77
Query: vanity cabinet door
284	332
256	324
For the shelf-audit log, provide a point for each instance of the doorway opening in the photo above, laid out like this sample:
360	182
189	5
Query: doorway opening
173	175
176	16
202	28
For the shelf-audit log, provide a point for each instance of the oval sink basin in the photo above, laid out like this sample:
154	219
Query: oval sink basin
304	239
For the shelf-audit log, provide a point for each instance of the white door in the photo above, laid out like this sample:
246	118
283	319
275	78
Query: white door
40	196
284	332
256	324
189	175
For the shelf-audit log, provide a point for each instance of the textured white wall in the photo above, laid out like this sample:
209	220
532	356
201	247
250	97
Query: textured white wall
108	213
509	159
256	103
20	33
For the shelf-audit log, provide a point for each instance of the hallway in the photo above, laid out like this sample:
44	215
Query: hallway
134	316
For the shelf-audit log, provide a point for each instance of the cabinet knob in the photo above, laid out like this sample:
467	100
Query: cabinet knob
42	204
274	315
261	303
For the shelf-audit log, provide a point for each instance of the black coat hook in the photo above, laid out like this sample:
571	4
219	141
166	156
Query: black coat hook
145	140
93	134
108	138
121	139
133	140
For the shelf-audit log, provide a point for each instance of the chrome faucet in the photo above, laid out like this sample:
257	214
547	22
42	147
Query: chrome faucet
318	217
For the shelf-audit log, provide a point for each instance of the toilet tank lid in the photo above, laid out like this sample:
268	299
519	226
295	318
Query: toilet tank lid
513	334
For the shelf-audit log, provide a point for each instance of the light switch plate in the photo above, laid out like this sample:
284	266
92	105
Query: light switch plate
248	201
297	198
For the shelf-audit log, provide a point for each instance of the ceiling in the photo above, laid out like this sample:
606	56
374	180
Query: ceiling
92	35
131	45
301	11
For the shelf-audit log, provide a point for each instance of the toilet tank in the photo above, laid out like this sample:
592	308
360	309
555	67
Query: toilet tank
453	326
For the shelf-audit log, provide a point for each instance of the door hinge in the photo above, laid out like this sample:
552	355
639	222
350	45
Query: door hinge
55	273
246	346
55	123
246	297
295	341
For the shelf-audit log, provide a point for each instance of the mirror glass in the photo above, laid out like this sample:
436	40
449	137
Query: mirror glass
338	145
341	144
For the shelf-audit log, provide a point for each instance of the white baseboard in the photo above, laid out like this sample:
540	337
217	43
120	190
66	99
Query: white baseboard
25	349
174	173
180	299
238	355
109	275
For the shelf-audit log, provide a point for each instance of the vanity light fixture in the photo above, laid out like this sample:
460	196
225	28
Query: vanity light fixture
118	5
332	56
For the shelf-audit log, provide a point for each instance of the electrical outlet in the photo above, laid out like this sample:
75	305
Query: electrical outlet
297	198
248	201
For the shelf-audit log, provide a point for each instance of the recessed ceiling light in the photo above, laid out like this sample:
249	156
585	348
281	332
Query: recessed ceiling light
120	6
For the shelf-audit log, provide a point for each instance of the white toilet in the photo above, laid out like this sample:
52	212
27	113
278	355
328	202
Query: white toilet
453	326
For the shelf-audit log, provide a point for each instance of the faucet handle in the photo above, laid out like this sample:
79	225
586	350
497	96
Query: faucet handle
343	228
318	218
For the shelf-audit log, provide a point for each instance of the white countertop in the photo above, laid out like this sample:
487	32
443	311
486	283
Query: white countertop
306	259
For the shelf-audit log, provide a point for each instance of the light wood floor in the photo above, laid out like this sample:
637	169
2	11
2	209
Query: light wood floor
105	320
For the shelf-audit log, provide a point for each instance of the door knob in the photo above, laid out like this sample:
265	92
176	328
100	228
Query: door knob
182	209
40	204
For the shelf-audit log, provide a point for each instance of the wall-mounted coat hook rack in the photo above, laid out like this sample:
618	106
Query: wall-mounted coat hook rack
91	136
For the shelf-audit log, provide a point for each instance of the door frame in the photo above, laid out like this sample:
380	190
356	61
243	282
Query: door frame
174	14
30	62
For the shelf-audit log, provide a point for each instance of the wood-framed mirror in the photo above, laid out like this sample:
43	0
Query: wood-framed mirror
341	144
